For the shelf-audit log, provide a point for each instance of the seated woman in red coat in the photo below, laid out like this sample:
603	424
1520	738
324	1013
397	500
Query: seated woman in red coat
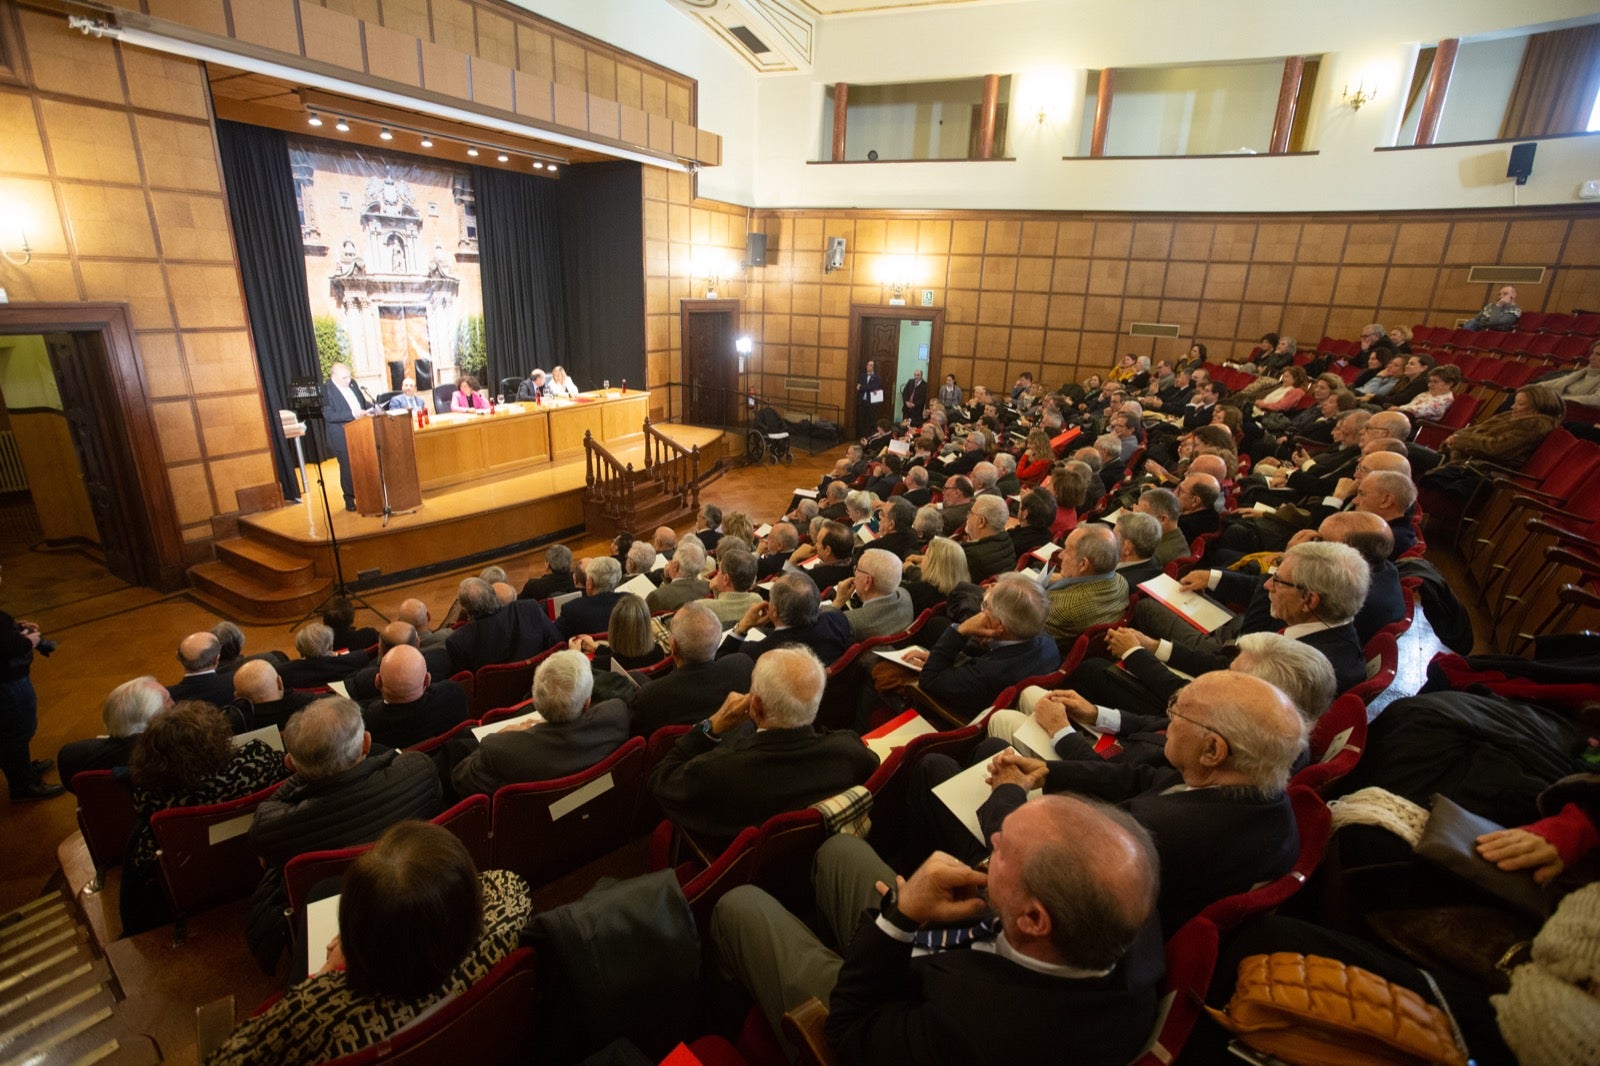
467	397
1037	458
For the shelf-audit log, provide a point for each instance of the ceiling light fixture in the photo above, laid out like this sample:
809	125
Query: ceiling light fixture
314	120
551	168
472	150
427	142
503	158
342	126
385	135
538	164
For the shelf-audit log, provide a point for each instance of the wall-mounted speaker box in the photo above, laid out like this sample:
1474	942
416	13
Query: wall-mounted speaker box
755	249
833	258
1521	162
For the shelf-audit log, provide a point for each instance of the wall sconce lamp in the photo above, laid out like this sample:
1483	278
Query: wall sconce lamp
26	256
1356	99
897	272
15	226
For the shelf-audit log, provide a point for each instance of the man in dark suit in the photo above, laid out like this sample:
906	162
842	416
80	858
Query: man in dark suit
780	543
362	686
869	397
573	736
956	504
497	633
557	581
1005	642
270	702
591	612
318	665
792	615
831	562
412	706
895	533
1092	969
1197	503
199	653
914	399
758	755
343	402
125	713
698	682
917	493
1138	534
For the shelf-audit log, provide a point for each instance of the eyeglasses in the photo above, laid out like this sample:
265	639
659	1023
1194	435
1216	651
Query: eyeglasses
1173	712
1276	580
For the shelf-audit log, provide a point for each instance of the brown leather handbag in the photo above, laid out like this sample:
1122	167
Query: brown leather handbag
1313	1010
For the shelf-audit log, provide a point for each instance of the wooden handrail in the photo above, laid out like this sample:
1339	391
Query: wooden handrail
676	467
608	481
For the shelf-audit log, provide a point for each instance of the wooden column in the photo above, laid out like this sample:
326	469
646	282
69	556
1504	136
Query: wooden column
1444	62
986	111
841	105
1294	69
1102	112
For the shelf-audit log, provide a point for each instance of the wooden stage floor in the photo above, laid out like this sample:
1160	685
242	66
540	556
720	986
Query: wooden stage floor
459	522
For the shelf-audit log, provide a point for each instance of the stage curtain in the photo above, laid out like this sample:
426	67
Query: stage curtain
602	237
1556	84
519	248
266	231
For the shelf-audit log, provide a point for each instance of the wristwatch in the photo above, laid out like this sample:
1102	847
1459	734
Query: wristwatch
705	729
889	911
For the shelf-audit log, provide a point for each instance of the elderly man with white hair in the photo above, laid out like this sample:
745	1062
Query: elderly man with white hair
572	735
1084	586
758	755
988	546
698	681
872	601
681	581
124	713
340	795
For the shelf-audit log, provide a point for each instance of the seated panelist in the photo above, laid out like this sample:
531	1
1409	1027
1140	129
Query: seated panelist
408	400
467	396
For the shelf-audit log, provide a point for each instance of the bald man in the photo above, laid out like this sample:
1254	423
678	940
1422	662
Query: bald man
1228	828
270	702
415	613
198	653
412	706
362	686
1198	494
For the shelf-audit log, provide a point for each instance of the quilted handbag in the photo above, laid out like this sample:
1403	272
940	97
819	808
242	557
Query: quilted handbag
1305	1009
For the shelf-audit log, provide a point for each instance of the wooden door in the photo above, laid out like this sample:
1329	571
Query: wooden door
710	363
880	344
84	398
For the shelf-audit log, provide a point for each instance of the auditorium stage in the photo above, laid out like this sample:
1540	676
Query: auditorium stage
281	563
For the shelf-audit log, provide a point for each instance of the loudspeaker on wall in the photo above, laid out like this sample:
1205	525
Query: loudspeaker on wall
755	249
1521	162
833	259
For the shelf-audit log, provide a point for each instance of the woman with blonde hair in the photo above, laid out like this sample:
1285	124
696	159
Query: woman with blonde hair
1037	458
630	638
942	571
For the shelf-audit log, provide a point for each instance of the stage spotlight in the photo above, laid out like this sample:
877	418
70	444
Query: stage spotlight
538	164
342	126
314	120
472	151
427	142
385	135
503	158
552	168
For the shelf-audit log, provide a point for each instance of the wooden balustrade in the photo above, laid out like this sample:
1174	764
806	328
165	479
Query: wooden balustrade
676	467
609	483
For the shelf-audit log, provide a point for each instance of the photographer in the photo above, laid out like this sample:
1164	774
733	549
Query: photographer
19	710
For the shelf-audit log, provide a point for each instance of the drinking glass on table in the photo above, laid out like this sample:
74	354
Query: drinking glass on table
606	384
500	398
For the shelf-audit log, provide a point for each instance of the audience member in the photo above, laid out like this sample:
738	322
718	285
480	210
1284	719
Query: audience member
698	682
199	653
411	706
872	601
340	616
1084	587
415	613
319	662
362	686
733	586
1163	506
793	615
126	712
573	735
503	633
270	702
339	795
1138	536
681	578
758	755
591	612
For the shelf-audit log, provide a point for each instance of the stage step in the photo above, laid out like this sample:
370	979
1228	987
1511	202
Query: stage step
269	565
239	593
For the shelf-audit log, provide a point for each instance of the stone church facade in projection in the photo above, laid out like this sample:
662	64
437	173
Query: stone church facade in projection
391	251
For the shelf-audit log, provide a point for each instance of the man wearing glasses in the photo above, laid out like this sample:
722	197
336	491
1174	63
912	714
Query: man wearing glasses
1219	814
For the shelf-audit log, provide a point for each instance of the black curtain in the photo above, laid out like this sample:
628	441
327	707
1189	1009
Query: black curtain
266	231
602	241
519	249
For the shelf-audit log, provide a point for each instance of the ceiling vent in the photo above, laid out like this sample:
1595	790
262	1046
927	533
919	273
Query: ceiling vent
756	45
1154	329
1500	275
773	36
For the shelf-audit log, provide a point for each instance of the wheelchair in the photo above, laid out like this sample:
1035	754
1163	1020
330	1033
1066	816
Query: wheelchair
768	439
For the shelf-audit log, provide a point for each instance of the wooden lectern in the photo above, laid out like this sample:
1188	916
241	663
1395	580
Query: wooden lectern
390	434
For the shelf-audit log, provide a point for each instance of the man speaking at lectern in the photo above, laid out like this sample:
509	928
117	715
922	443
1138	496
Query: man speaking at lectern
342	403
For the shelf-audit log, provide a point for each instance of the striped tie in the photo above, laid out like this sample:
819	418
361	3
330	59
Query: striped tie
947	937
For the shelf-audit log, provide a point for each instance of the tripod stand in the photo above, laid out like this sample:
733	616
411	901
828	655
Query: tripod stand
318	434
